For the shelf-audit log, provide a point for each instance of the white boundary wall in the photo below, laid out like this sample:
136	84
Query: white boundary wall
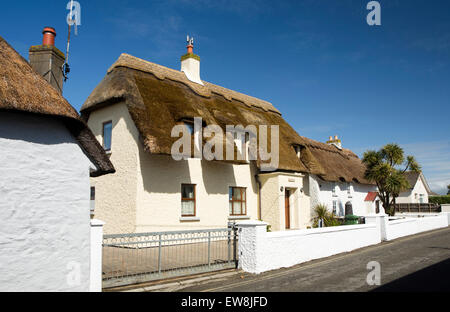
411	226
261	251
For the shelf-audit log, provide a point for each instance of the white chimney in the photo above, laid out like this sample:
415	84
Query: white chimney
190	63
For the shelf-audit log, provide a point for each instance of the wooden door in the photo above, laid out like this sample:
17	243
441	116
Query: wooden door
287	209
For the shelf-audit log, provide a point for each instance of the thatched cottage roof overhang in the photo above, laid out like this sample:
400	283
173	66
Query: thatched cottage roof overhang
158	97
25	91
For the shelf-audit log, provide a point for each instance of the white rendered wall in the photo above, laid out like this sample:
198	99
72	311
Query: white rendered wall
411	226
44	206
321	193
261	251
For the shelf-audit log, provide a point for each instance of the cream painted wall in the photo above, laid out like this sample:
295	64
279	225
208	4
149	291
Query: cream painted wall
411	197
159	192
116	194
273	201
144	194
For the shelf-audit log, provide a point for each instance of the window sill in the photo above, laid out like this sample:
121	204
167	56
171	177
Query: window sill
108	152
238	217
189	219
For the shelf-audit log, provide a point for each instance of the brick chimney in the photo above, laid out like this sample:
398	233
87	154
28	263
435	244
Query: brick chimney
190	63
336	142
47	60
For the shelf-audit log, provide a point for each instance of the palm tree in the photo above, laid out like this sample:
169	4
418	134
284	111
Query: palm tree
321	213
382	167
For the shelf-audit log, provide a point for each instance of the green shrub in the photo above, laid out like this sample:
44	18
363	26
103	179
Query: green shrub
321	212
445	199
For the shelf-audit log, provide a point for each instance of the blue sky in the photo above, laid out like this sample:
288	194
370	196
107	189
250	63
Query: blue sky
317	61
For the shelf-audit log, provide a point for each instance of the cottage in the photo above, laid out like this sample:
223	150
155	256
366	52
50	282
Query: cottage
132	113
418	192
47	155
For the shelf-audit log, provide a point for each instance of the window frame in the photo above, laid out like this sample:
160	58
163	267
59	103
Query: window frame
243	191
103	135
189	199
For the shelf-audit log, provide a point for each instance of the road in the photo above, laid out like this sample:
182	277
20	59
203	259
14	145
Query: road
415	263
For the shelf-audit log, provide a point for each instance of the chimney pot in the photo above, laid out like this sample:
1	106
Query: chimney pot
49	36
335	137
190	49
331	138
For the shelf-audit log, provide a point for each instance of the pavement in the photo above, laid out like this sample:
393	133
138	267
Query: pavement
414	263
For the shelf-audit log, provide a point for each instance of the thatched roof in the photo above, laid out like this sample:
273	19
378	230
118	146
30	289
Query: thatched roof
25	91
158	98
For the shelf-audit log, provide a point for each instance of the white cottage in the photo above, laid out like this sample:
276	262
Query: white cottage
47	155
133	112
418	192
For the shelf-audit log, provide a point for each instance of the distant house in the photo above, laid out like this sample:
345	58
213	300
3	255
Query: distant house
418	192
132	113
47	155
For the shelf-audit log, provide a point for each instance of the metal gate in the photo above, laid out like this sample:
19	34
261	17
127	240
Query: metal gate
141	257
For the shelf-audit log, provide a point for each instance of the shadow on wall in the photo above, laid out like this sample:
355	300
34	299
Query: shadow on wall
55	132
162	174
217	176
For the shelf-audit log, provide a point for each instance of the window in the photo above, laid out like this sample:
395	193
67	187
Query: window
238	205
421	199
298	150
349	190
188	200
92	192
335	207
107	135
333	189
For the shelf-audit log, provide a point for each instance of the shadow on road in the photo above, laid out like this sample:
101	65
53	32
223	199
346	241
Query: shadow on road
435	278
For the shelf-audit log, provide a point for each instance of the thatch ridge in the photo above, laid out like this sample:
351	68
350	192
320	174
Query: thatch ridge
25	91
162	72
158	98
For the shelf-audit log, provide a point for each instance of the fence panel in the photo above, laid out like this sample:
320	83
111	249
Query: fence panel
141	257
417	208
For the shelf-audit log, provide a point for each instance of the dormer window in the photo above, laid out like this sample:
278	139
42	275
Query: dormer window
298	150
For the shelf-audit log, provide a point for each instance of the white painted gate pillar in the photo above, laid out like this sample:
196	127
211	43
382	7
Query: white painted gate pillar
96	255
381	221
250	234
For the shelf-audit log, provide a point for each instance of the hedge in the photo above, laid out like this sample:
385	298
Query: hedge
445	199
